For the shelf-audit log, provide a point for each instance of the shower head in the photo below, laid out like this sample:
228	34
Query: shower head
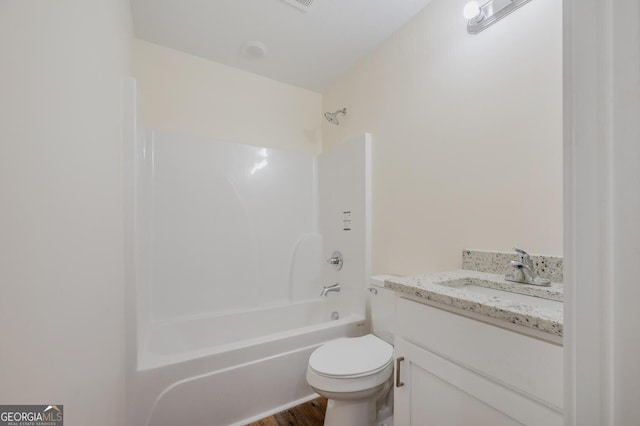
332	117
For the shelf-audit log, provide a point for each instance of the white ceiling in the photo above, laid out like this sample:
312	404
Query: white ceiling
307	49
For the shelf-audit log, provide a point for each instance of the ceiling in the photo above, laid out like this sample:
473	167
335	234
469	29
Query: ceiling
308	49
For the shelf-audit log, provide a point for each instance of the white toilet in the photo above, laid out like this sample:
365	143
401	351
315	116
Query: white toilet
355	374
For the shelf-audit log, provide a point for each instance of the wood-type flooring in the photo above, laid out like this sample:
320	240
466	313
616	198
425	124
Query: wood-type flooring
309	414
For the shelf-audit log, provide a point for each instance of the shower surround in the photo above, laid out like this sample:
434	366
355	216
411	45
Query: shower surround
230	248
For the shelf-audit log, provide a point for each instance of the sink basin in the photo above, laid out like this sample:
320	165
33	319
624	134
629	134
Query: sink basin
506	291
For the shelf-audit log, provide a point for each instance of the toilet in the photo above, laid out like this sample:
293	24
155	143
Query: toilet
356	374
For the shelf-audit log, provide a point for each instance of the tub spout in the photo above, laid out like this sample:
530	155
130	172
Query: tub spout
327	289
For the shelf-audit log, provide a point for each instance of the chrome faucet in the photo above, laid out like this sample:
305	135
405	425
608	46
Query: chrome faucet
327	289
336	260
524	271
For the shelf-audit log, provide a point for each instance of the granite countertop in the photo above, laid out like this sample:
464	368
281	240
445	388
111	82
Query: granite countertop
448	288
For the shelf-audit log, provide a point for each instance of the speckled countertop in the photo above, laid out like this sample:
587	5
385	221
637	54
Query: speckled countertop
449	288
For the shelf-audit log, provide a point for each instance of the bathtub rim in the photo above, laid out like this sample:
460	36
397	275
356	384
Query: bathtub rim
148	361
234	311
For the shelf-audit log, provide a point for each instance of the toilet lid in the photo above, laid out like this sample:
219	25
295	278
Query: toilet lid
351	356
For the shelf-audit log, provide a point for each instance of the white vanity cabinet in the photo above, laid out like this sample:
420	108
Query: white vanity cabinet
456	371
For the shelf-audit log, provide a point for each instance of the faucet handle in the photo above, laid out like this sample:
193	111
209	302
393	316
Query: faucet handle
336	260
520	251
524	257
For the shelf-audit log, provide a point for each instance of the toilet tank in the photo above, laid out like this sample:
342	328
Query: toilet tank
383	308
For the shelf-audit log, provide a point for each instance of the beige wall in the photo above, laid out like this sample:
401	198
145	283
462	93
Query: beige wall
61	256
466	136
188	95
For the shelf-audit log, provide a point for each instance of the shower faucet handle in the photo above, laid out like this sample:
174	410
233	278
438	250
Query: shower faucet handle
336	260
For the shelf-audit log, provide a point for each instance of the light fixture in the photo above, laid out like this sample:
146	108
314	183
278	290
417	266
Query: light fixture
472	10
483	16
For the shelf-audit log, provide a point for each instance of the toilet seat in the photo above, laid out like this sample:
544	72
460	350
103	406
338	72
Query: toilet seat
351	357
351	364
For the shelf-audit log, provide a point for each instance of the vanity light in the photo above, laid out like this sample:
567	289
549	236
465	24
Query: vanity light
483	16
472	10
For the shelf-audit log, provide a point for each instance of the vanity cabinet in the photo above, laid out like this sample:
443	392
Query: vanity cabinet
456	371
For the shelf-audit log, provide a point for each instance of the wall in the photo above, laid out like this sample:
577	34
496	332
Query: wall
61	257
188	95
467	136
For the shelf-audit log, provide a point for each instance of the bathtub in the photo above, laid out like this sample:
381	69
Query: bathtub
232	368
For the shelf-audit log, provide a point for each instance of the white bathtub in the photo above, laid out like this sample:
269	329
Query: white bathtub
234	368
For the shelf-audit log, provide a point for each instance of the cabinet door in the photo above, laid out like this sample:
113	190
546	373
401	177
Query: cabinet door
438	392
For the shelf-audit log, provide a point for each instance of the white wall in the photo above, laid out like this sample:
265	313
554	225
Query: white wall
188	95
467	136
61	257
